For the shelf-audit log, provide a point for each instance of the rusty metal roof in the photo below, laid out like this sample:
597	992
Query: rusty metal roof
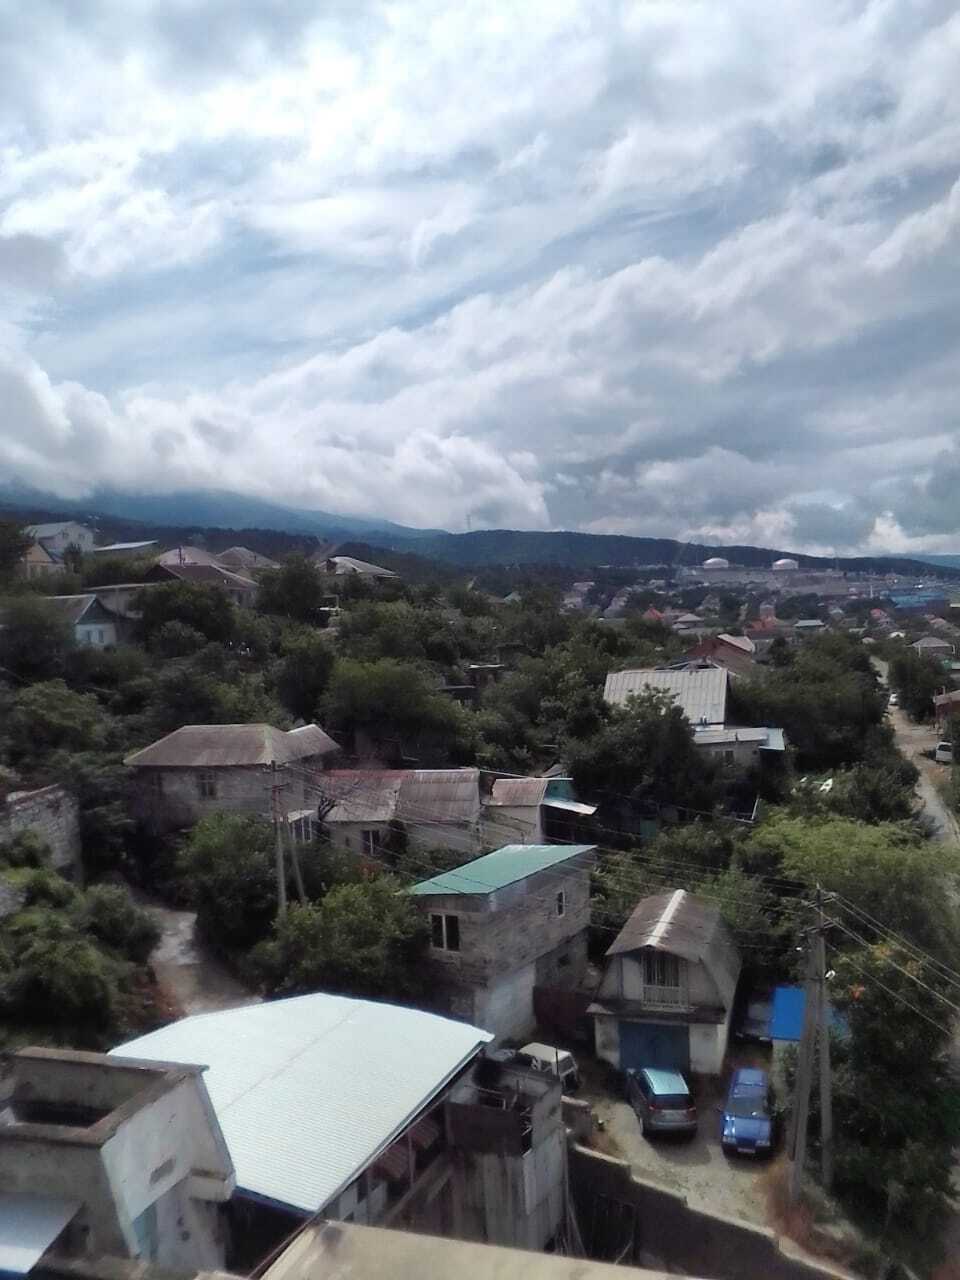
409	795
212	746
681	924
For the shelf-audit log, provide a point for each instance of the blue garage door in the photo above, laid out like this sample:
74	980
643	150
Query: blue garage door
652	1044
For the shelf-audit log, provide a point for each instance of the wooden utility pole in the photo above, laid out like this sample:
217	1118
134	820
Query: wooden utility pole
278	843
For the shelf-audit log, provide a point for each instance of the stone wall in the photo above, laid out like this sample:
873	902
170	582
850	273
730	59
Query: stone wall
52	813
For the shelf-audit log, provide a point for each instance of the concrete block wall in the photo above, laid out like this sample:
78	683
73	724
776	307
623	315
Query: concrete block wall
51	812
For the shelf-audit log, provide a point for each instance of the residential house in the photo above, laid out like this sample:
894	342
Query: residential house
534	811
243	560
363	810
242	591
57	536
330	1106
736	654
211	768
38	562
504	924
933	647
741	747
945	707
95	626
688	622
339	565
52	814
108	1155
701	694
809	627
666	996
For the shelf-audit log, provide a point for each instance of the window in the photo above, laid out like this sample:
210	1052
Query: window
561	903
99	635
445	932
207	784
370	843
660	970
728	757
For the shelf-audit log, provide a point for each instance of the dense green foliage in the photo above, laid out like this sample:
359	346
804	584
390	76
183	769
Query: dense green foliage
916	678
34	639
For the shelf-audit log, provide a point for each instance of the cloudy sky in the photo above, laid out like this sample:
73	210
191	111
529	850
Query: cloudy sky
633	266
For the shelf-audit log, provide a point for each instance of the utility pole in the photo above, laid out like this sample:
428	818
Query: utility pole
826	1077
797	1145
278	842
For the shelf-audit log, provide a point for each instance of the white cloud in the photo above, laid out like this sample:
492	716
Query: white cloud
665	269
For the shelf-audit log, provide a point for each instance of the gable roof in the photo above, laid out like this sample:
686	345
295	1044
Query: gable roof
244	558
501	868
211	746
350	564
213	574
53	529
309	1090
186	555
681	924
701	694
77	608
409	795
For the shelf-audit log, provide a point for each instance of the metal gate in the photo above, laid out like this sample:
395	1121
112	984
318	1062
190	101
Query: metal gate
654	1044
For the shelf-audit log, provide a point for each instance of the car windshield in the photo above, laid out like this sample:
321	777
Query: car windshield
748	1107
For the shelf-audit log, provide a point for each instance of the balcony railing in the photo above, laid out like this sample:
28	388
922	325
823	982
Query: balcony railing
665	997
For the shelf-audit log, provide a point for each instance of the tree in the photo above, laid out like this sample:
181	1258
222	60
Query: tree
49	717
296	591
363	939
644	758
303	672
227	866
204	608
14	544
917	679
35	638
109	914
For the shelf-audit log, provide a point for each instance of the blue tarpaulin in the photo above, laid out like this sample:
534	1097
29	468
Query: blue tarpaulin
786	1021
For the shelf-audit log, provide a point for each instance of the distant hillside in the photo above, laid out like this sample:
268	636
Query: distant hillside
204	508
586	550
950	562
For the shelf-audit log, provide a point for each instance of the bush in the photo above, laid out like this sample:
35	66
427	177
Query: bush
44	887
227	866
109	914
64	981
26	849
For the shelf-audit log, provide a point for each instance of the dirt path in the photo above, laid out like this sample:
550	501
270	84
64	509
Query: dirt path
913	740
196	980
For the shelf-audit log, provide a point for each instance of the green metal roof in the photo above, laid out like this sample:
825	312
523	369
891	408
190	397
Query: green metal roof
496	870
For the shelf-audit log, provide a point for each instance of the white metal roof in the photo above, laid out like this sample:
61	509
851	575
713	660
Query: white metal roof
309	1090
700	694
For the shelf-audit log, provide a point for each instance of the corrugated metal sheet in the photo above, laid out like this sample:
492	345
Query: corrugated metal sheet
518	793
701	695
309	1091
361	795
409	795
496	870
72	607
682	924
212	574
766	739
211	746
29	1225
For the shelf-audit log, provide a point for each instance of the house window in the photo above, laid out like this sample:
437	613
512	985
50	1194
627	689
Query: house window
207	784
728	757
445	932
370	843
561	903
99	636
661	969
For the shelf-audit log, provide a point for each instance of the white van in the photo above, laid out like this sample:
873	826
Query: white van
944	753
555	1062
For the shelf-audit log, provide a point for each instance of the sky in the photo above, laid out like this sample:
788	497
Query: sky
656	267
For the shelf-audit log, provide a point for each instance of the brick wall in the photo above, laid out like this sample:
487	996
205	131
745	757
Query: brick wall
52	813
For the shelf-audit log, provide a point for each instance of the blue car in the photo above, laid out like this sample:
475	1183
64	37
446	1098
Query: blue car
747	1123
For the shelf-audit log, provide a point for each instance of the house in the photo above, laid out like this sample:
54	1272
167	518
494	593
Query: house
736	654
95	626
809	626
328	1105
666	996
243	560
534	811
701	694
363	810
61	534
242	591
740	746
351	565
125	548
945	707
38	562
52	814
111	1156
933	647
504	924
212	768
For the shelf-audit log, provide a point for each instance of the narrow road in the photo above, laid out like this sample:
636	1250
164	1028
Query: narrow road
195	979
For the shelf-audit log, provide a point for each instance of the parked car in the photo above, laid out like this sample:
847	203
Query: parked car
746	1125
552	1061
893	700
661	1100
751	1019
944	753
